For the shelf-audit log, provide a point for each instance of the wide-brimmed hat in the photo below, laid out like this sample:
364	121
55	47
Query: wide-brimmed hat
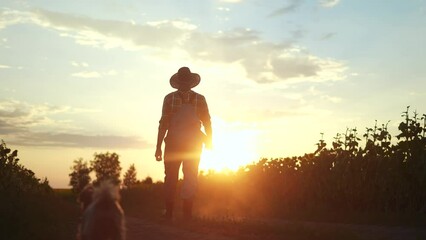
184	75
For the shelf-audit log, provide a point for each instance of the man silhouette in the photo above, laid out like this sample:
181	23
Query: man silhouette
182	115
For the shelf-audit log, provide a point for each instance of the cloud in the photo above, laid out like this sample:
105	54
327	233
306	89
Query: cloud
7	128
87	74
331	99
328	36
329	3
316	94
177	24
112	34
19	119
90	74
223	9
297	34
263	61
4	42
292	67
79	141
231	1
11	17
94	74
79	64
23	115
290	7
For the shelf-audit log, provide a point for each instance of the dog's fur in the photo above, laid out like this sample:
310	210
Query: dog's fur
103	217
85	197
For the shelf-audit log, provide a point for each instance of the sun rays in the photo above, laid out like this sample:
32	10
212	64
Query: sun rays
233	147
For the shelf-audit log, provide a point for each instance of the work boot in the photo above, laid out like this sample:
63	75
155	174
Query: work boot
168	215
187	209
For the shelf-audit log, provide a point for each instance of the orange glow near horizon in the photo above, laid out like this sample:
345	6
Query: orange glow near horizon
232	149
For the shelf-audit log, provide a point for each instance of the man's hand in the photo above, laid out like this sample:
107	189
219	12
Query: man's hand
158	154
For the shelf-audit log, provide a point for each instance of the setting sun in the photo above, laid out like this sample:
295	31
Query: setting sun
233	147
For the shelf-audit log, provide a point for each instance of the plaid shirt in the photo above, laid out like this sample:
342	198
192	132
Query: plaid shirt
173	101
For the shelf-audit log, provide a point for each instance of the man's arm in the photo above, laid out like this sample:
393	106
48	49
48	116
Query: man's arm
162	129
160	138
205	118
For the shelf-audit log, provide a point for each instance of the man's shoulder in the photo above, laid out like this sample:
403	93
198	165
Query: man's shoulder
176	94
170	94
198	95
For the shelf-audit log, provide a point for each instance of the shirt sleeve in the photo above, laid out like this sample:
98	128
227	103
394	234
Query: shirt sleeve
165	114
205	115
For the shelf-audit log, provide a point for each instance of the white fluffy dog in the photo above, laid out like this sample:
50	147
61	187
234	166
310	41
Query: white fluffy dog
103	217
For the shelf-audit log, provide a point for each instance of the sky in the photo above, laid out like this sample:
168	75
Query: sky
85	77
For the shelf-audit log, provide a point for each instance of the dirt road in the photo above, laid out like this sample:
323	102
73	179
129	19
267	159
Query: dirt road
140	229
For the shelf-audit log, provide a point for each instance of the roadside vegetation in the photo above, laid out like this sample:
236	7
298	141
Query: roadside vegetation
29	207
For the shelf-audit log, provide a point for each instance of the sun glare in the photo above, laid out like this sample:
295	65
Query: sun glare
233	147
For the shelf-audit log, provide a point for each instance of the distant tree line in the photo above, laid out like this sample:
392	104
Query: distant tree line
106	167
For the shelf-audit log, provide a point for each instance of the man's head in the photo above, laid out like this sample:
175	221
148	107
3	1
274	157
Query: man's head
184	79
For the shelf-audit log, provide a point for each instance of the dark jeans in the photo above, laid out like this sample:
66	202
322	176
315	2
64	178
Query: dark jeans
172	162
